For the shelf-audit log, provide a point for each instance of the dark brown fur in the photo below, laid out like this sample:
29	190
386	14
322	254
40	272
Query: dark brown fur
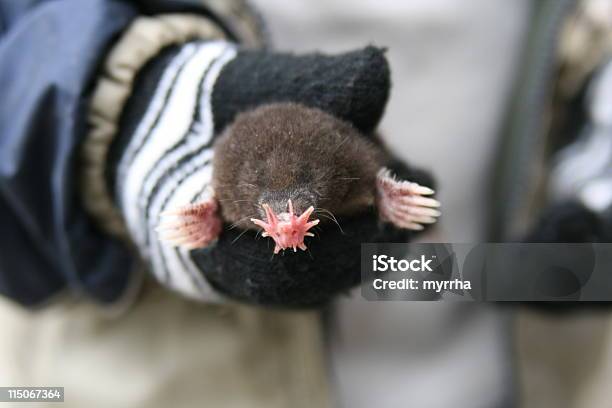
287	151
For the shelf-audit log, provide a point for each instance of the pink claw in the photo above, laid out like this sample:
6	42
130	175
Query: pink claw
287	230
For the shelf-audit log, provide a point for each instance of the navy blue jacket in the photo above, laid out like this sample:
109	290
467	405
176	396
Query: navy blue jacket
50	51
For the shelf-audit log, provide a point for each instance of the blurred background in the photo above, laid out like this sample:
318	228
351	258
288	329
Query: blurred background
458	67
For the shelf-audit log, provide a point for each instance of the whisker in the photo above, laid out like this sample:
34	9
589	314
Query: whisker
342	142
310	253
233	185
333	220
322	211
238	237
235	224
318	230
237	201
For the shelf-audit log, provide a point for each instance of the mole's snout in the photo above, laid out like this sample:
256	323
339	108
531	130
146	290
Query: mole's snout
286	229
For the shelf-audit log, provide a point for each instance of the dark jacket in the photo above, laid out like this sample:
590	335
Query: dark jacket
49	55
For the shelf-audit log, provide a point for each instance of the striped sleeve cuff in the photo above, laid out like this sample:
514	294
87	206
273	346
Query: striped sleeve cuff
167	161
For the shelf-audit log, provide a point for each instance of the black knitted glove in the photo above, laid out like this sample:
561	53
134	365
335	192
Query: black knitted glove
182	100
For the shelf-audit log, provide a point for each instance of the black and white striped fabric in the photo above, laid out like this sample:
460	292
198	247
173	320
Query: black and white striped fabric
167	162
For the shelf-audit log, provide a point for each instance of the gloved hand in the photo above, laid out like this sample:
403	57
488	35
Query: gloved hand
182	100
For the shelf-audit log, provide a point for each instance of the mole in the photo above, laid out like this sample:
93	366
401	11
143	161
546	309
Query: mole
283	168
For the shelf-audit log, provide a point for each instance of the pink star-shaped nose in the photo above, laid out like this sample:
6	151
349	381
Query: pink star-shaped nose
287	230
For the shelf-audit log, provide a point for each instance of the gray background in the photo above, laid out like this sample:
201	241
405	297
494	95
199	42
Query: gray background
452	65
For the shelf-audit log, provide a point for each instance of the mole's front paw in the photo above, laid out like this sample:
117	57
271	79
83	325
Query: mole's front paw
403	204
192	226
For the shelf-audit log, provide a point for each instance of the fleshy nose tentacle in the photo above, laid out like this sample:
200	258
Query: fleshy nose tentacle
286	229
